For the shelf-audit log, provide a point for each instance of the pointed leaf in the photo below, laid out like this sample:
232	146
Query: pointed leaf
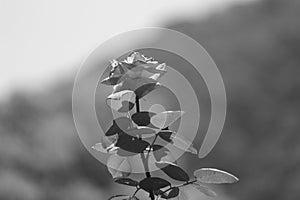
100	147
153	183
215	176
135	56
205	190
113	129
126	66
145	89
131	84
118	166
183	144
141	130
108	141
123	123
121	106
123	197
173	171
159	151
126	181
138	56
111	80
166	118
123	95
119	197
131	144
122	101
183	194
155	76
146	69
125	106
142	118
119	125
165	135
171	193
124	153
169	158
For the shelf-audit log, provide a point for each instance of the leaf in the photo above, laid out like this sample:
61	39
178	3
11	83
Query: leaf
114	66
171	193
113	129
145	89
121	106
159	151
119	125
123	197
154	67
166	135
183	144
153	183
166	118
142	118
118	166
122	101
119	197
100	147
205	190
145	69
141	130
126	66
135	56
169	158
107	141
183	194
138	56
131	84
173	171
121	69
126	181
123	95
131	144
107	145
123	123
134	73
111	80
215	176
126	106
124	153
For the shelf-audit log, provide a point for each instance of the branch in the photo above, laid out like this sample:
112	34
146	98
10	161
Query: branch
151	145
136	191
144	159
181	185
137	104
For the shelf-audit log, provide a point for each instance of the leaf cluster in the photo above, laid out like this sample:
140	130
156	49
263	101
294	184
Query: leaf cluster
137	134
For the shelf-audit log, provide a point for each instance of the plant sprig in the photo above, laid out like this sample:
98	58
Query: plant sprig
133	79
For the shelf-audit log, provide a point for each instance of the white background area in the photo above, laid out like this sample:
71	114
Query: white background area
43	41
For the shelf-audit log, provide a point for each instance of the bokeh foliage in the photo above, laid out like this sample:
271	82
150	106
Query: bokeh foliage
256	48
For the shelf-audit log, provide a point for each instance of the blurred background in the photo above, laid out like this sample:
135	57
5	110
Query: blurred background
255	44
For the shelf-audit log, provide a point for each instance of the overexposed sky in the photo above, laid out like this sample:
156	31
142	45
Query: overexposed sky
41	41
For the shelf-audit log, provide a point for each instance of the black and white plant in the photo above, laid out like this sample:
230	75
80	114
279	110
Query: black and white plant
137	133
